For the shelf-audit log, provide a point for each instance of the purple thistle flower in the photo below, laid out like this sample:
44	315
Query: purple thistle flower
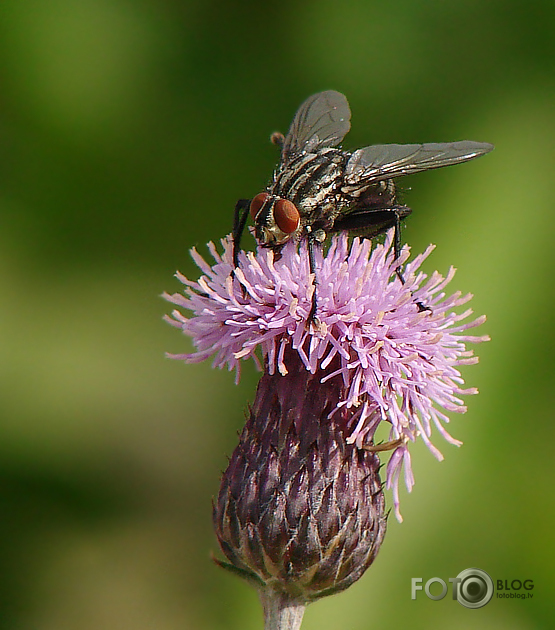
397	363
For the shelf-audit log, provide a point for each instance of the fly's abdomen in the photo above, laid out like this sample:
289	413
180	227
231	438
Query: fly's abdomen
375	195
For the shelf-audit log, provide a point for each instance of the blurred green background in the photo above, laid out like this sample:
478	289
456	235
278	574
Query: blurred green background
128	129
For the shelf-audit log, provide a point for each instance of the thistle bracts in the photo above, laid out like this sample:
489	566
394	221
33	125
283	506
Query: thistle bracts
300	511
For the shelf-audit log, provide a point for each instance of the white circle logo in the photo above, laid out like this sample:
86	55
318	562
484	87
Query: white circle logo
474	588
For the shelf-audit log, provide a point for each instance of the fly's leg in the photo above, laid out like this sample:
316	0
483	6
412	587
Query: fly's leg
240	217
397	244
311	244
371	222
397	252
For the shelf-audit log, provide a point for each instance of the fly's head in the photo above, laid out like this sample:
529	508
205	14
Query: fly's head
276	220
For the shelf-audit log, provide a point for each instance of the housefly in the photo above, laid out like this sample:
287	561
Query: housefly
319	189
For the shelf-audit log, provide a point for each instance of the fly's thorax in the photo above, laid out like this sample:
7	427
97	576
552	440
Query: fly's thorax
310	178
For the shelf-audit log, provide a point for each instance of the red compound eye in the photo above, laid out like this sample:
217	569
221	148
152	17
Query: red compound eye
286	216
257	203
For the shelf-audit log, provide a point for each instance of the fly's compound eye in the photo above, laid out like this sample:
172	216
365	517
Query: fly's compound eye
286	216
257	203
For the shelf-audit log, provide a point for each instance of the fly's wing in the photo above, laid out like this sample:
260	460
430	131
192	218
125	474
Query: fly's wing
321	121
385	161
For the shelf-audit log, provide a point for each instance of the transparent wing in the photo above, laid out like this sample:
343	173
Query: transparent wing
385	161
321	121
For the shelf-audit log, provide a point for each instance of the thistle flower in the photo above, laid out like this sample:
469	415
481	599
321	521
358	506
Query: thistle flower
301	510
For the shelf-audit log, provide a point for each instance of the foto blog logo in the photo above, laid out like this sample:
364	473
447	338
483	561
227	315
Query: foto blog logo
472	588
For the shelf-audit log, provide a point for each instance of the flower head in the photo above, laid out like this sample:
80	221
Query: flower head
398	361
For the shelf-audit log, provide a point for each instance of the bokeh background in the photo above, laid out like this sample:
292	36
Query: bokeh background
128	129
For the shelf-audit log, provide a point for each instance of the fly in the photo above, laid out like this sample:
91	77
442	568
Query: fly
319	189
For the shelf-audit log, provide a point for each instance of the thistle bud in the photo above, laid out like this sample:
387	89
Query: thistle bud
300	511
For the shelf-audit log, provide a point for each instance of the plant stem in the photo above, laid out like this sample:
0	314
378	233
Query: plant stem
281	612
